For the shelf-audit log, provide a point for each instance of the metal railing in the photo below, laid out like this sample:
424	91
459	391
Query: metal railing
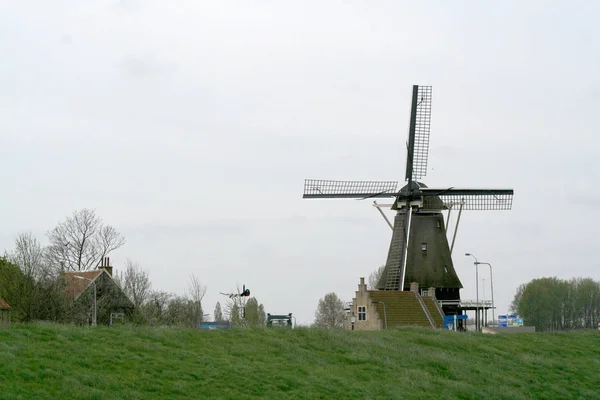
466	303
473	303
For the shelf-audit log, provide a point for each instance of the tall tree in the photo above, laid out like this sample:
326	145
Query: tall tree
196	291
155	309
135	283
11	288
81	241
262	316
514	305
556	304
374	277
218	315
235	317
330	312
30	256
251	314
255	313
235	308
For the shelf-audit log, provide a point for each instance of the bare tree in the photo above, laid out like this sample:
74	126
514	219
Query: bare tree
262	317
374	277
218	315
235	309
30	256
235	316
80	242
330	312
34	291
196	291
135	283
155	309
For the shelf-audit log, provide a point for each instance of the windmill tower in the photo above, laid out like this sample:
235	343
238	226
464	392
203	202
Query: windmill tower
419	250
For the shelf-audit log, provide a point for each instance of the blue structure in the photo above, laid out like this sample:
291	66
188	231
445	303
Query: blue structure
214	325
461	321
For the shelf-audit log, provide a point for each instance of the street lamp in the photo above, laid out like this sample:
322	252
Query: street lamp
353	320
476	289
491	284
93	283
384	311
484	311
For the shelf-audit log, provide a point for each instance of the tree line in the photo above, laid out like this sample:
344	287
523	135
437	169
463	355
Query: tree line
552	304
29	279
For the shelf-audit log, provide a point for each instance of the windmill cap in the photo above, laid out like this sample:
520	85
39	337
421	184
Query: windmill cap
414	185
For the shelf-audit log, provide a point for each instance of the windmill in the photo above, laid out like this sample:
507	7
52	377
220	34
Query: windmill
419	250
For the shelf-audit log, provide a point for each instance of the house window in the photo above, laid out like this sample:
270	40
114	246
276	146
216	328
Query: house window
362	313
425	293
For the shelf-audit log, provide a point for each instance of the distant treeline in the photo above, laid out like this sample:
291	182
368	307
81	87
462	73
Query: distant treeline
557	304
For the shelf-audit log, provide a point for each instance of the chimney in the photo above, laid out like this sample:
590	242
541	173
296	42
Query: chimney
414	287
105	265
362	286
431	292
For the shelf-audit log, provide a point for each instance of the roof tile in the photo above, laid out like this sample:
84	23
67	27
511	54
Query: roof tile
4	305
76	286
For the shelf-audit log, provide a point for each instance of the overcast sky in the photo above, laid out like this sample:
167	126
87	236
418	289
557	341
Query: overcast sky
190	126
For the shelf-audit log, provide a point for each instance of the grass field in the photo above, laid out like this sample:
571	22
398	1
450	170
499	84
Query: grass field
61	362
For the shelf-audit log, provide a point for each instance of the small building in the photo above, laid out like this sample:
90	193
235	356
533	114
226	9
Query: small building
381	309
4	313
110	298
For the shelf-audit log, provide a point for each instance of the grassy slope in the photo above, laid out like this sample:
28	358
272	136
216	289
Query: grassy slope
48	361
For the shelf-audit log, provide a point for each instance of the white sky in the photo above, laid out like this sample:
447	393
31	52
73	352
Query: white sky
190	126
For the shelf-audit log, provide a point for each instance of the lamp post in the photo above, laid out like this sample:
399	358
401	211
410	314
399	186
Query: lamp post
477	263
492	287
384	312
95	309
476	289
484	311
353	320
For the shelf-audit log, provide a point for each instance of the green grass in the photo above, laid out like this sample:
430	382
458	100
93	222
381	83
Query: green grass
61	362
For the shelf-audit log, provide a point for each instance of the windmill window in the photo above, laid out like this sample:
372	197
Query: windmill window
362	313
424	247
446	269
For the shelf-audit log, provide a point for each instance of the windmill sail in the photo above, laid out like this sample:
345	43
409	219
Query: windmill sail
420	125
323	189
416	167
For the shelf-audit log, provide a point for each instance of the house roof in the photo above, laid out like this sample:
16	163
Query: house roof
4	305
76	286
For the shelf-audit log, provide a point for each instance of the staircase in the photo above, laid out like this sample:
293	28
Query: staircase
425	310
434	310
403	308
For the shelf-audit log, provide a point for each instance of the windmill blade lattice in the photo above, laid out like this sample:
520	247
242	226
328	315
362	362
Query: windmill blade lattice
322	189
422	129
471	199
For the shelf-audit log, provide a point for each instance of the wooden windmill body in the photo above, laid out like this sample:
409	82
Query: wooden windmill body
419	249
